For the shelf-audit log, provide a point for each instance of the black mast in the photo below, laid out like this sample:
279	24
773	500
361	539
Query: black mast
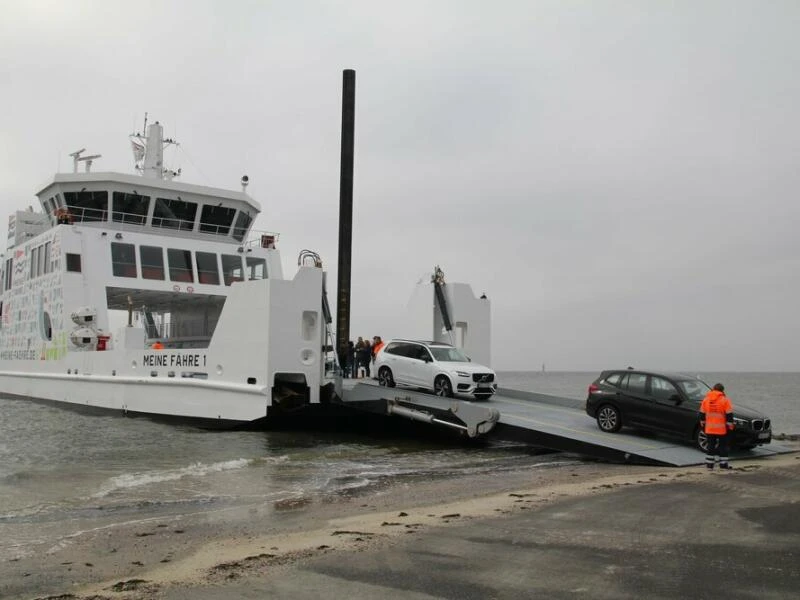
345	214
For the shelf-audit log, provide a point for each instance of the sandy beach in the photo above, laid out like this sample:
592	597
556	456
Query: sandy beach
233	553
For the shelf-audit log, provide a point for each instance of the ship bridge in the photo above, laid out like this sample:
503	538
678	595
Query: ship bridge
151	201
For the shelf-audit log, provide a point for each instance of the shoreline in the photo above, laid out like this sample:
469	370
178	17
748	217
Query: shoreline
213	549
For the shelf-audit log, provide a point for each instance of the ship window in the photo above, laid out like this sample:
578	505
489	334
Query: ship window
130	208
242	225
87	206
216	219
51	206
180	265
152	258
207	269
174	214
123	260
41	267
7	274
74	263
256	268
34	263
232	268
48	265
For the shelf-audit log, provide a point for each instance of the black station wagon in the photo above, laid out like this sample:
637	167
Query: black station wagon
665	403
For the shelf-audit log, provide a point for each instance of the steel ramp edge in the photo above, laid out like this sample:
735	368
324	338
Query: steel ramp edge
474	419
561	424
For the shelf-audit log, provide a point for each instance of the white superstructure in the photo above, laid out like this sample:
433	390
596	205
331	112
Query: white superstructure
115	266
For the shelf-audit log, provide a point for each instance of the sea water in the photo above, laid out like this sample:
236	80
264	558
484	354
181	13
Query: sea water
63	473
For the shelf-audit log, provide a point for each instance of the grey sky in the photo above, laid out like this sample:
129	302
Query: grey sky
620	178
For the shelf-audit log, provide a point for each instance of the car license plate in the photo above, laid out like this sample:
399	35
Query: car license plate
483	390
763	436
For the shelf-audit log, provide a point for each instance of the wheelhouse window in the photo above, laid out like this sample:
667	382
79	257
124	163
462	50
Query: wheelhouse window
216	219
123	260
73	263
174	214
232	268
180	265
256	268
86	206
130	208
152	258
207	269
242	225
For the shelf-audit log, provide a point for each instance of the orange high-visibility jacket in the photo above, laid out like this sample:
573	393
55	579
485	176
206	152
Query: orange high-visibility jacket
715	410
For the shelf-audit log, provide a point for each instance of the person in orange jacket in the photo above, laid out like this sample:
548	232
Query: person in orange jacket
377	344
716	419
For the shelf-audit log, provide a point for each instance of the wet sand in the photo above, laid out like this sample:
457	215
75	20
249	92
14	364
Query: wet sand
283	548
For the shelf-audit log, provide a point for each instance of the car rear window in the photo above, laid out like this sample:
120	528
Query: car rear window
635	382
402	349
661	389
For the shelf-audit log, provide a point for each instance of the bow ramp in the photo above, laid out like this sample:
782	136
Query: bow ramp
470	418
548	421
562	424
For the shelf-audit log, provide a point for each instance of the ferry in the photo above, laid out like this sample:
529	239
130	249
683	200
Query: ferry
142	294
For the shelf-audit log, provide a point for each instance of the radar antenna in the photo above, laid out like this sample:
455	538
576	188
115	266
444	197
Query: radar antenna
87	160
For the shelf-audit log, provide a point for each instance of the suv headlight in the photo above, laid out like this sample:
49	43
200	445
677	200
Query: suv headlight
741	422
462	373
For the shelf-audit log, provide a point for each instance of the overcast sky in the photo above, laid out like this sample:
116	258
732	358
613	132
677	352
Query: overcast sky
620	178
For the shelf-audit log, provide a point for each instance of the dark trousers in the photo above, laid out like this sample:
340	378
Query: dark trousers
717	450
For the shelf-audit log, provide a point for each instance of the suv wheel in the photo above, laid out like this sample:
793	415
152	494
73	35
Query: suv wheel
701	440
443	387
609	419
385	377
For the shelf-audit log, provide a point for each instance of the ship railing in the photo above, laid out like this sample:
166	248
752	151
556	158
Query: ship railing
137	221
262	239
195	331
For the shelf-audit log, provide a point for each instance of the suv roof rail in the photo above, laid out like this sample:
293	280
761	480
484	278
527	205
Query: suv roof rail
426	342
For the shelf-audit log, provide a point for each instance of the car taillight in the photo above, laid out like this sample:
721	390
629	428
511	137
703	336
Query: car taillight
593	388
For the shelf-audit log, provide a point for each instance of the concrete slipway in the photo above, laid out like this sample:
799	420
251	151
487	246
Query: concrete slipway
548	421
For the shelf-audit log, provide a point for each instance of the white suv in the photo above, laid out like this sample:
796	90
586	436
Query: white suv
434	366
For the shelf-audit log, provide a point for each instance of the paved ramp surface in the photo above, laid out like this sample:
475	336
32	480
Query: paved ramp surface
562	424
548	421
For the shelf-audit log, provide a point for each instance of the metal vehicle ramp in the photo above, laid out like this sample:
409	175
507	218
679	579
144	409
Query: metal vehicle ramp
562	424
471	418
548	421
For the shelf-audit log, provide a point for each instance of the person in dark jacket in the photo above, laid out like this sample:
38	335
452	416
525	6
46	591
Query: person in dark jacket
365	357
350	362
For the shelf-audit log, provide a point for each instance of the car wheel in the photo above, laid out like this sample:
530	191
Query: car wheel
701	440
443	387
385	377
609	419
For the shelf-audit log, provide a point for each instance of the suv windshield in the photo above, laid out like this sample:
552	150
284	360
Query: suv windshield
447	354
694	388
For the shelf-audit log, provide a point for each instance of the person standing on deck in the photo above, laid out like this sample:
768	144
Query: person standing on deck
716	419
350	365
377	344
364	357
